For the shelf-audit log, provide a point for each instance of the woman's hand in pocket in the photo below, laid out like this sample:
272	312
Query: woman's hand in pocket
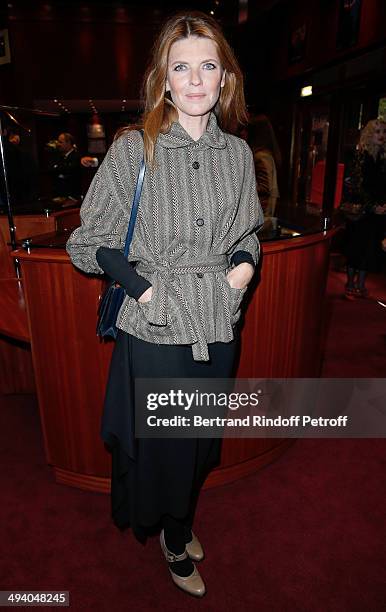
146	296
240	276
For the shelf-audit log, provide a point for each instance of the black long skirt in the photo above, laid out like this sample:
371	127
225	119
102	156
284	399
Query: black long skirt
154	477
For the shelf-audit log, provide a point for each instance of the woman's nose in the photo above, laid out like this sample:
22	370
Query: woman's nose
195	78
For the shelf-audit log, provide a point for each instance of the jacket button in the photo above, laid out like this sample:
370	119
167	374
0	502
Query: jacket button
200	275
195	165
200	221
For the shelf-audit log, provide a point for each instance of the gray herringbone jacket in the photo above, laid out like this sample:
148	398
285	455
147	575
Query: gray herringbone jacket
198	207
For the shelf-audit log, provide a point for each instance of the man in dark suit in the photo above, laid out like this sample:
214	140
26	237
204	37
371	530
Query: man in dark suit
67	169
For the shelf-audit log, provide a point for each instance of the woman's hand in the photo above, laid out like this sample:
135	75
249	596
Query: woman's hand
146	296
240	276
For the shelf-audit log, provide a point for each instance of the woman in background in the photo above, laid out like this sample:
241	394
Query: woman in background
267	157
367	187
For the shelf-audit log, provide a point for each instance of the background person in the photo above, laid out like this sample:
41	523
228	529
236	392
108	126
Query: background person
367	187
266	153
66	169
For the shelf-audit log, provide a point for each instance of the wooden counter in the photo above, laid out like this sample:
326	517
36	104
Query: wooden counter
281	337
32	224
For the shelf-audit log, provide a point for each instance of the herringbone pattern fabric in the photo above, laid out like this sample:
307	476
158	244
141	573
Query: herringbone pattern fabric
199	205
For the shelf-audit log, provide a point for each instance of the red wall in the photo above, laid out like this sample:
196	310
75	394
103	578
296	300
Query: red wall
321	18
69	52
65	53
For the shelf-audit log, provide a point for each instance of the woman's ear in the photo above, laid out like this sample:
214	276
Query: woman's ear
223	79
167	87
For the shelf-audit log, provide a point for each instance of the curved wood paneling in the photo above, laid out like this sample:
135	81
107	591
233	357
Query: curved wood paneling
16	371
32	225
82	481
281	335
220	476
39	223
13	312
70	362
280	338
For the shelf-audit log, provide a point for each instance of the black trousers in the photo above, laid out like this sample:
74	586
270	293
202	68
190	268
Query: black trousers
154	477
363	242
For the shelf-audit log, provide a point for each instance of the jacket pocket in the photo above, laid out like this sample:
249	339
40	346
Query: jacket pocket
155	310
234	299
165	315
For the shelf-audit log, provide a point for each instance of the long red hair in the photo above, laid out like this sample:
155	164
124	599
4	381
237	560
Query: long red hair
159	111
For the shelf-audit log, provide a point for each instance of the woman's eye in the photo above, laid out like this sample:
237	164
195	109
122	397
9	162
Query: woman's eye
207	66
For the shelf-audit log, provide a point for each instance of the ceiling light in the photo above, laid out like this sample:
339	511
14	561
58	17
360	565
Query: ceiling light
306	91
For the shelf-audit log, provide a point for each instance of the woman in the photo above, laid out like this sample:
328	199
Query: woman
367	186
196	249
262	140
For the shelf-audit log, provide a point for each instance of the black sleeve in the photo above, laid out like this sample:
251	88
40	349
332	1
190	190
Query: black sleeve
241	257
114	263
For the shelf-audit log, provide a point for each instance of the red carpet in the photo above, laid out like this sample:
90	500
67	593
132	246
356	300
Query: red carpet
305	534
355	338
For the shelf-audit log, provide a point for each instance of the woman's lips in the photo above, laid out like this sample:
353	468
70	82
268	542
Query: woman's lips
195	95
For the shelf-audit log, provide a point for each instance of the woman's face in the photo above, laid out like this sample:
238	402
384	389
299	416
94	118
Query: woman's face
379	134
195	75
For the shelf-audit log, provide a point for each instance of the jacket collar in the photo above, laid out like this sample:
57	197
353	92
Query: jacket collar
178	137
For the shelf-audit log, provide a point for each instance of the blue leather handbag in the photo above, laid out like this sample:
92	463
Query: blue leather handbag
113	296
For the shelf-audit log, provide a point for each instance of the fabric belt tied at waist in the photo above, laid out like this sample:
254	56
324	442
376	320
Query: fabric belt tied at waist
164	275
